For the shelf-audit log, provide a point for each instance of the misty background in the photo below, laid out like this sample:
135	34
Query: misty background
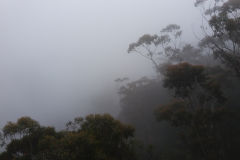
59	58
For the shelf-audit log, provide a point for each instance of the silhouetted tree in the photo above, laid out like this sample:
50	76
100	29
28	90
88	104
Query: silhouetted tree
96	137
198	111
224	41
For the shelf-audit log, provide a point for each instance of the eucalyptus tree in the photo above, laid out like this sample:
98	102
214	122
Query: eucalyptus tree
223	34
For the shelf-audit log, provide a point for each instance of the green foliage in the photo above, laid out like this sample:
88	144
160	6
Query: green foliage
175	112
193	83
23	126
203	102
94	137
183	77
200	112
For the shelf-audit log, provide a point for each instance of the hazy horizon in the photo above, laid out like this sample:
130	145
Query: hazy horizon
59	59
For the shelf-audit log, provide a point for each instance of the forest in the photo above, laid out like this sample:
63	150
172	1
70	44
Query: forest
189	111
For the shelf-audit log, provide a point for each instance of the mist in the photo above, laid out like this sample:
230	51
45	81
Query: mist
59	59
119	79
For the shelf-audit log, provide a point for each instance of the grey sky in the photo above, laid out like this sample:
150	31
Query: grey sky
57	57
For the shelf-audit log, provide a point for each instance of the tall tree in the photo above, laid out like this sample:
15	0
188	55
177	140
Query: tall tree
158	46
198	111
224	21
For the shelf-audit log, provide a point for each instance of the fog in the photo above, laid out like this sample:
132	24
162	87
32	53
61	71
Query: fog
59	58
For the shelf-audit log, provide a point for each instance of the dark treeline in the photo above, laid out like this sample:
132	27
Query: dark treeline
189	111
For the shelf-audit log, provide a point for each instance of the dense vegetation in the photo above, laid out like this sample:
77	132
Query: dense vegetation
95	137
189	111
194	97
